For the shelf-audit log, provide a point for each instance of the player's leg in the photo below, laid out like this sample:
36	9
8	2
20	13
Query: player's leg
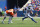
4	18
10	19
25	17
32	18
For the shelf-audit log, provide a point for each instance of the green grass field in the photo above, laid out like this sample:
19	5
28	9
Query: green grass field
17	22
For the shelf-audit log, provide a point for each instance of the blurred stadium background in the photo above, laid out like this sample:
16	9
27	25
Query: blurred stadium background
17	4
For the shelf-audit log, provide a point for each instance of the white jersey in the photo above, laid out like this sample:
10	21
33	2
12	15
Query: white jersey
28	10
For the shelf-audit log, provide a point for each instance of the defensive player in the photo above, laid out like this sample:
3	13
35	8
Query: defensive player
28	11
10	13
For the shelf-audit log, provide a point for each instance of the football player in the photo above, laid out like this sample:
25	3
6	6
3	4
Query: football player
27	14
10	13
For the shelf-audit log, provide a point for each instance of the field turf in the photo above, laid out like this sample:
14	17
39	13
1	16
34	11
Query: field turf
17	22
